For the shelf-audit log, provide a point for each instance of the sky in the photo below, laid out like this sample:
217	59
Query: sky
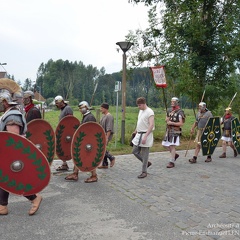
34	31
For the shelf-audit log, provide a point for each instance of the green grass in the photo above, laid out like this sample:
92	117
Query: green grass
131	115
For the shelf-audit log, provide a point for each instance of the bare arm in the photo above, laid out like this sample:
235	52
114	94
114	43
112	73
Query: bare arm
193	127
13	129
108	133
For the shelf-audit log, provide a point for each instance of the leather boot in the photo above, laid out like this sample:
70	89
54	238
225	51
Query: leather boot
3	210
223	155
235	152
35	205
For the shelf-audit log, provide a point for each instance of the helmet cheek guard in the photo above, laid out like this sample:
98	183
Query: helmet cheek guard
202	105
175	100
7	97
228	109
28	94
84	104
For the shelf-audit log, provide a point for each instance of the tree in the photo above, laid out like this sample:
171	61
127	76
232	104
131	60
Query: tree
72	80
198	40
27	85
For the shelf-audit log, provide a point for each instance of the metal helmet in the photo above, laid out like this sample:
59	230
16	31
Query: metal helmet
84	104
7	97
58	98
229	110
27	94
202	105
3	90
18	95
176	100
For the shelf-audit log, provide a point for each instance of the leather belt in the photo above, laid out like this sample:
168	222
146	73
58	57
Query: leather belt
140	139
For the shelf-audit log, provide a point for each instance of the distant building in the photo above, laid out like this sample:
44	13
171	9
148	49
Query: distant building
39	97
3	75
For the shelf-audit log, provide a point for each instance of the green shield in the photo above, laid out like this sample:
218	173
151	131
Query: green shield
210	136
236	134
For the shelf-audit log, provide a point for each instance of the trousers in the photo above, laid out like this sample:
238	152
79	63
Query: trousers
106	157
141	153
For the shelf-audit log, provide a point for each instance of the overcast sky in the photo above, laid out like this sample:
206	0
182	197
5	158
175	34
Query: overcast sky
34	31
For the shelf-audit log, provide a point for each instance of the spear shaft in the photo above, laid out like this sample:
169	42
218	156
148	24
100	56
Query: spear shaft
190	139
232	100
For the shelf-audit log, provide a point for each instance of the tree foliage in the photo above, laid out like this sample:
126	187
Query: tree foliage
77	82
72	80
197	40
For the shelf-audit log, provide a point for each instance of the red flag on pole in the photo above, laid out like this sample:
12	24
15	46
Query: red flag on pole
159	77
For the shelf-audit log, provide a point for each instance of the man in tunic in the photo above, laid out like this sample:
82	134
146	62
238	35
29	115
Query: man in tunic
175	118
201	120
31	111
227	133
65	111
143	139
84	108
107	122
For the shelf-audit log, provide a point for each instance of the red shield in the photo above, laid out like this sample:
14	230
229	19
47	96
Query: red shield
88	146
24	170
64	134
41	133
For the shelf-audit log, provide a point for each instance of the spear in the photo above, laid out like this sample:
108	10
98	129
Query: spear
164	99
203	95
190	139
95	88
232	100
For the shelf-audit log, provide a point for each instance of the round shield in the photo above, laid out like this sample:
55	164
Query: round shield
88	146
24	170
210	136
41	133
64	134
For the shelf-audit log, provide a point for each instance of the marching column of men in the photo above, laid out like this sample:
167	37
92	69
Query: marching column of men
13	120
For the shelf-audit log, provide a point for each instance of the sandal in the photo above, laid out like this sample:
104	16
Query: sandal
192	160
72	177
91	179
64	167
208	160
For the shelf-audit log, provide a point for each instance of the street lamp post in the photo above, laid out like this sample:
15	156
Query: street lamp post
125	46
1	64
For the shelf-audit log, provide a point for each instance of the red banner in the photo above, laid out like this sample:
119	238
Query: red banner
159	77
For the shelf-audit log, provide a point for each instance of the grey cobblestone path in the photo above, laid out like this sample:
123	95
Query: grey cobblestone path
196	198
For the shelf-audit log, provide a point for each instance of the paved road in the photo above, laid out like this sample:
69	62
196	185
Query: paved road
190	201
